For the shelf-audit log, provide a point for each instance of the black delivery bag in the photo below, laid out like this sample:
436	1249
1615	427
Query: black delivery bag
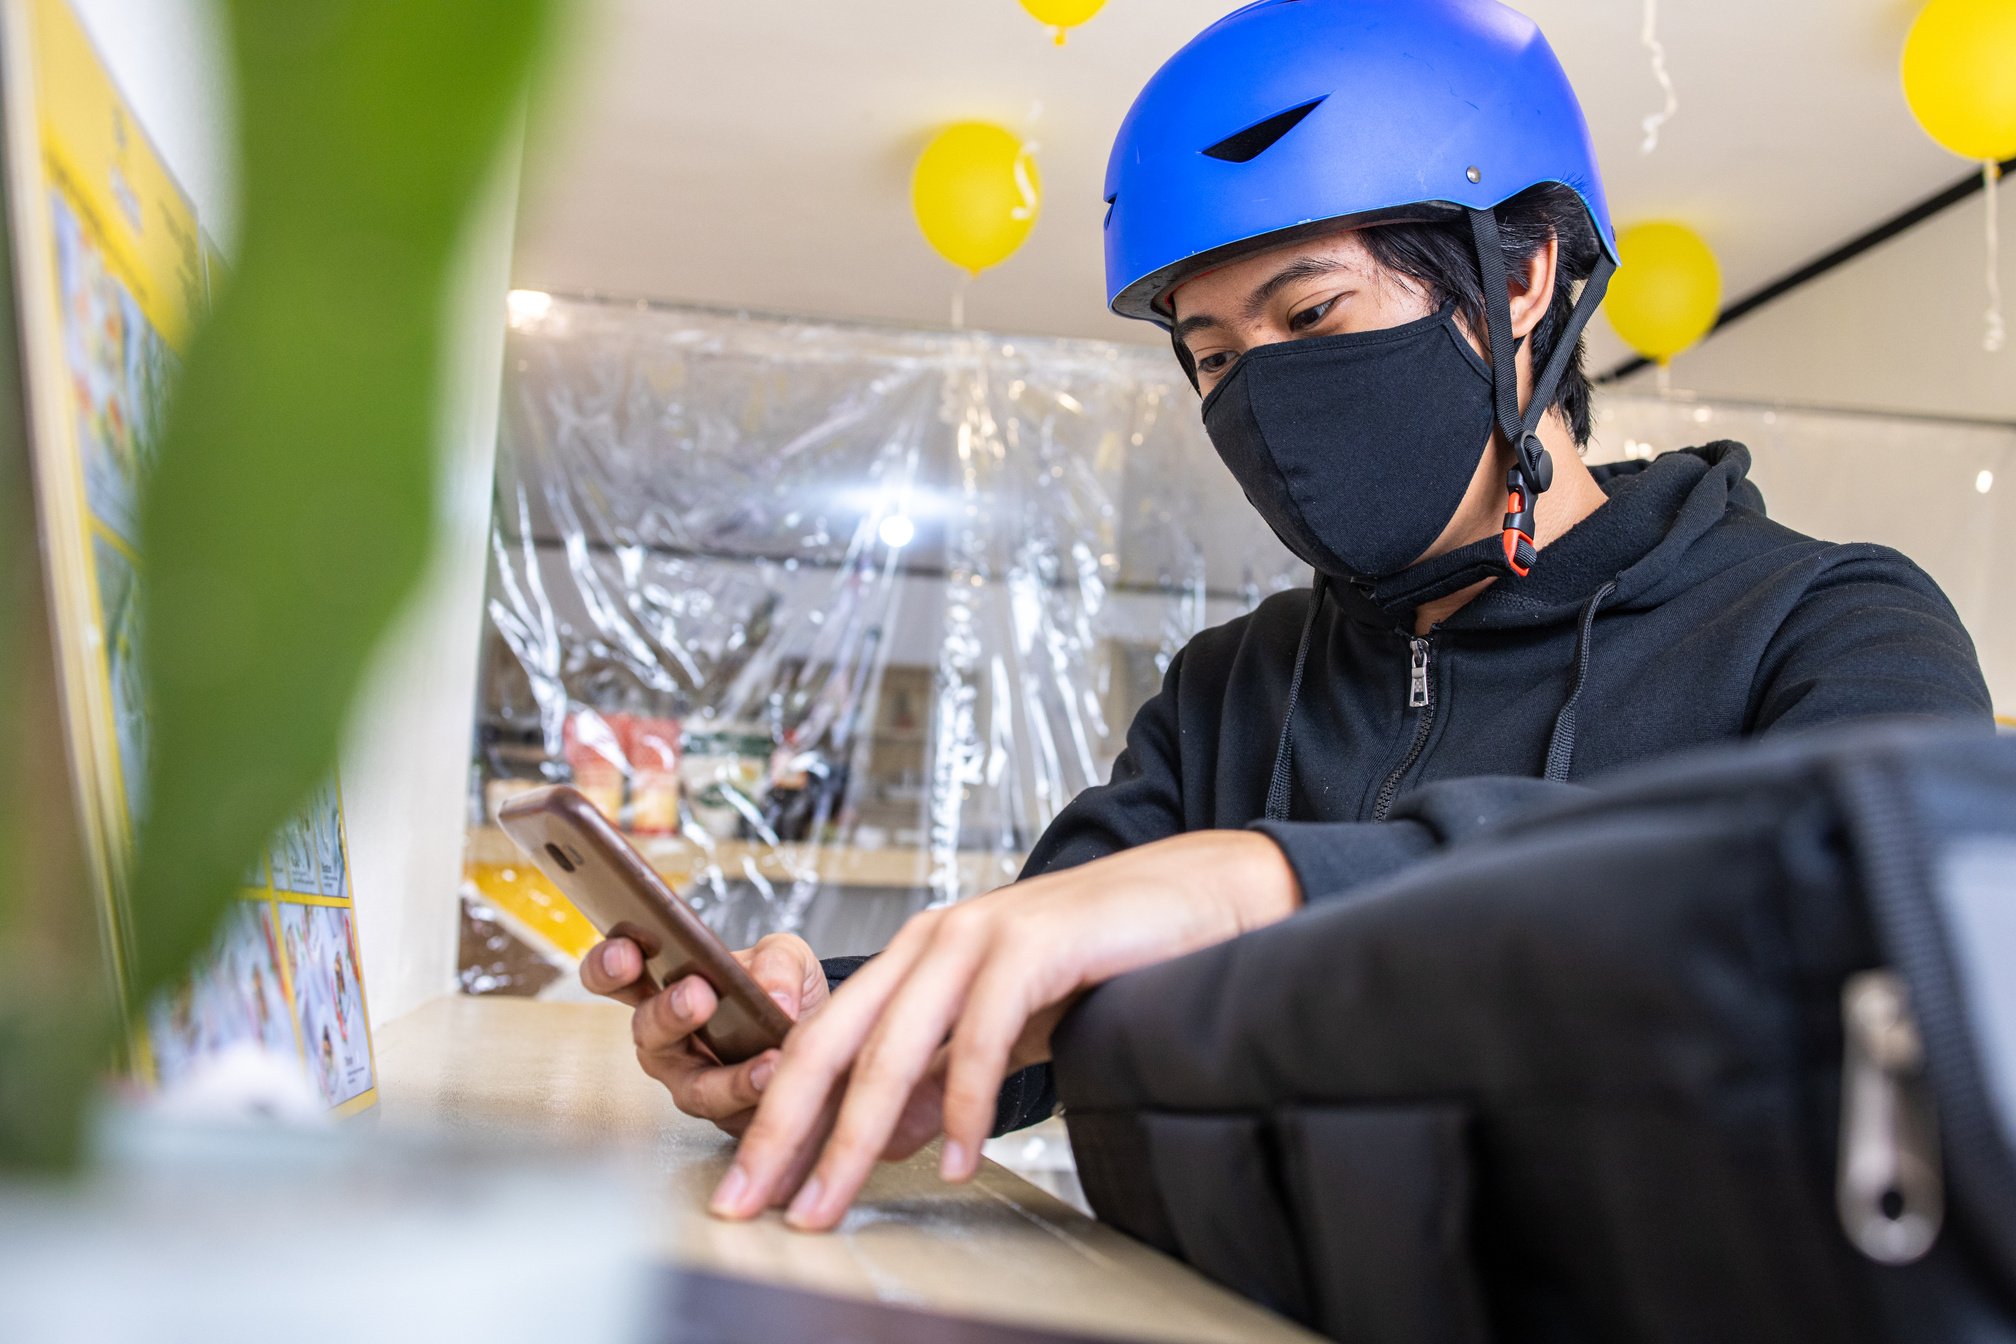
1724	1051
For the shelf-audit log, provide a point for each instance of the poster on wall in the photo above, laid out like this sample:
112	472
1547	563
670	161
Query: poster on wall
236	998
293	859
112	270
321	943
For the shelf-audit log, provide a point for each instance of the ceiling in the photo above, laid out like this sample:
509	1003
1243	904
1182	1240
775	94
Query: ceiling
757	154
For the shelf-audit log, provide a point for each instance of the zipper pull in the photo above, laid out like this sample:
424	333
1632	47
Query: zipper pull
1890	1193
1417	687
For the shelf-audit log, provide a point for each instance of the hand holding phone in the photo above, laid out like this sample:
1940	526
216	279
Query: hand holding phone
577	849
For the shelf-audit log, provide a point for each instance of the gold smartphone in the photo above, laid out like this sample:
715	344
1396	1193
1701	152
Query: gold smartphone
612	884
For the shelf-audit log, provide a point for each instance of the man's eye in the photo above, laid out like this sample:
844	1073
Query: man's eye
1309	317
1213	363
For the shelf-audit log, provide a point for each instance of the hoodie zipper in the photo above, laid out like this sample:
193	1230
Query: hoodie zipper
1421	696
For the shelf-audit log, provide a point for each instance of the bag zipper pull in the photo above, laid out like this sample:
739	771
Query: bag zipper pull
1890	1193
1417	688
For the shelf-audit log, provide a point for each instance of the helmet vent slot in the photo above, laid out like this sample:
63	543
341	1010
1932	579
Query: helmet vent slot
1249	144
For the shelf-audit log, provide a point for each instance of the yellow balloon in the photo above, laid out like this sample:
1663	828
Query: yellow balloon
1062	14
1666	292
1960	76
976	194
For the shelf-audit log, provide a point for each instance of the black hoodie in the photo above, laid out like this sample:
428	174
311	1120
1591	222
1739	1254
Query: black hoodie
1710	622
1674	616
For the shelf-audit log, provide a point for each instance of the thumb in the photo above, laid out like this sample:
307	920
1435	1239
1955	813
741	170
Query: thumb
782	964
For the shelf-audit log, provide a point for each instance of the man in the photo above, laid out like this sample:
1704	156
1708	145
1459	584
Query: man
1374	231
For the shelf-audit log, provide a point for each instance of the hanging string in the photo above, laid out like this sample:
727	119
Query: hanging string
1997	334
965	282
1665	380
1024	184
1650	37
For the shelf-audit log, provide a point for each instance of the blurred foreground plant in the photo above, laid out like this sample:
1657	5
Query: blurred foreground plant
56	1010
291	513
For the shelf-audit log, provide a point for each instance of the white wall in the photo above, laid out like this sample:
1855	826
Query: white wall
1897	329
406	762
406	756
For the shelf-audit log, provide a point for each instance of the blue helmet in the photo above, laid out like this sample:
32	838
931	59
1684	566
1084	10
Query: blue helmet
1291	116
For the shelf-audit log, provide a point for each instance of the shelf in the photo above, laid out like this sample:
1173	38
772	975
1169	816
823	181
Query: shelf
679	861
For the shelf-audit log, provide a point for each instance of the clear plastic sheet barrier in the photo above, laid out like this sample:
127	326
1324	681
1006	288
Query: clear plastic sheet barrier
834	619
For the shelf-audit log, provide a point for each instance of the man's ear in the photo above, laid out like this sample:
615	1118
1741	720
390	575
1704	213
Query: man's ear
1533	292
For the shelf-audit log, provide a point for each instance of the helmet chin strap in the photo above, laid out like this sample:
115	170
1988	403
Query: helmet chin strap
1532	469
1513	550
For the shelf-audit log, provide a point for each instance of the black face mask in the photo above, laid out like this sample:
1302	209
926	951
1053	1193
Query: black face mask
1356	449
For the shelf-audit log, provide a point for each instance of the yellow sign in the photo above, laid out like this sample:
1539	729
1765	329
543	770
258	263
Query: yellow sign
98	156
113	271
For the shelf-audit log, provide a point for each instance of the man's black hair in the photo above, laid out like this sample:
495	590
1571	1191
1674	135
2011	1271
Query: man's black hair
1442	258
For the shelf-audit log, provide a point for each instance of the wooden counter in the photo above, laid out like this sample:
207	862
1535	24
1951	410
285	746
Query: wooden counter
997	1249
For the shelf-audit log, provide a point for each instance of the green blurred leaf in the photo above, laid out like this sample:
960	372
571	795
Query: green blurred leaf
291	512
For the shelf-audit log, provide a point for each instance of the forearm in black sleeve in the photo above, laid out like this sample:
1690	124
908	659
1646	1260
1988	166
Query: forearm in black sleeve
1333	858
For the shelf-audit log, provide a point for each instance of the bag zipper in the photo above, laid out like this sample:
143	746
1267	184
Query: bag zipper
1421	696
1890	1191
1884	832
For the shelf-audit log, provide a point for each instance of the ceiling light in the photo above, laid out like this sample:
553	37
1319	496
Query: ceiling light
528	305
897	531
1984	482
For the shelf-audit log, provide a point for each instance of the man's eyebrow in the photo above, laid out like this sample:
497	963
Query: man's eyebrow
1197	323
1302	268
